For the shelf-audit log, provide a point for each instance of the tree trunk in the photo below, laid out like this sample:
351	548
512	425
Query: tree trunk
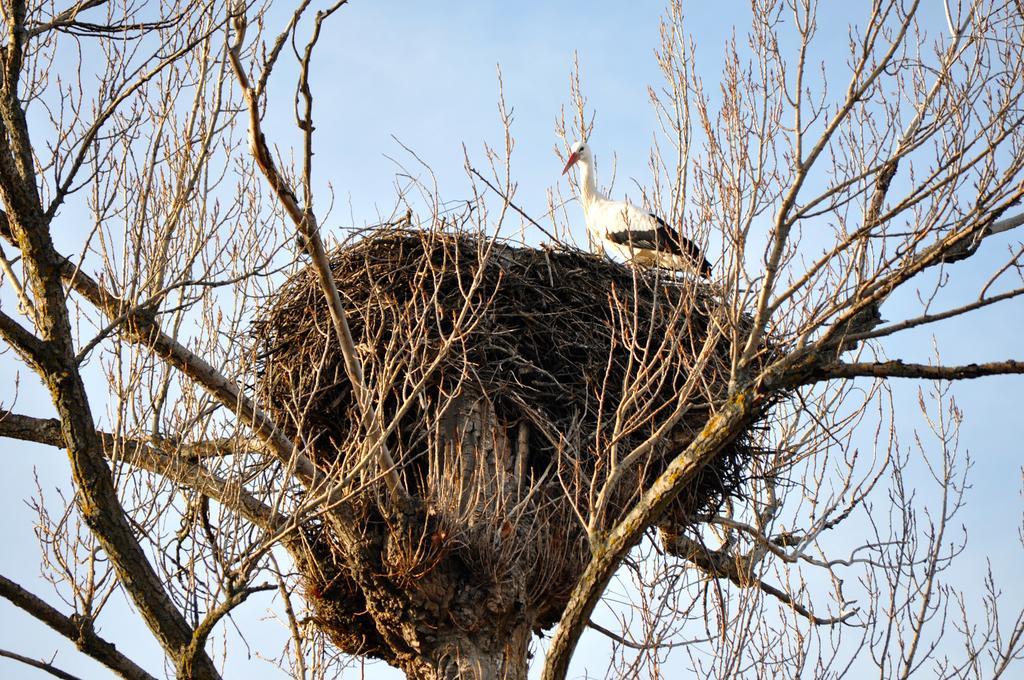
496	658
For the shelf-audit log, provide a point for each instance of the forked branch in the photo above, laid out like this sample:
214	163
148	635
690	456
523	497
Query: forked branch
740	569
305	223
721	428
172	465
76	629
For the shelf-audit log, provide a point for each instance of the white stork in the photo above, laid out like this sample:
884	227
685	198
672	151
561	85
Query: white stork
637	235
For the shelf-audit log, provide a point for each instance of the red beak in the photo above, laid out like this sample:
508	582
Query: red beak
572	159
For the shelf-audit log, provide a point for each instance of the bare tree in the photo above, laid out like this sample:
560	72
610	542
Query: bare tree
432	443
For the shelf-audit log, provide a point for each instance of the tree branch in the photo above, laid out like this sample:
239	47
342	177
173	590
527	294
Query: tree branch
720	429
147	456
899	369
305	223
142	328
955	246
77	630
235	598
64	18
41	665
96	498
638	645
28	346
739	569
512	205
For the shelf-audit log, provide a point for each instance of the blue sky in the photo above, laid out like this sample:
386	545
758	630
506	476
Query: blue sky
425	73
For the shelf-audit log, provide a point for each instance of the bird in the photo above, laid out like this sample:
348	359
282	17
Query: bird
639	236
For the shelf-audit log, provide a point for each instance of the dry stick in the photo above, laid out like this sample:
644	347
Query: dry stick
305	222
512	205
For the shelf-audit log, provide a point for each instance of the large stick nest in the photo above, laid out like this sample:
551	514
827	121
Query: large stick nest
509	380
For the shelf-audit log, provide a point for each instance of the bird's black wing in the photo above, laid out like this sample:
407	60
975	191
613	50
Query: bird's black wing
665	239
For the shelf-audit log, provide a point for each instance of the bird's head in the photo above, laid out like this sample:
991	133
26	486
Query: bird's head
579	152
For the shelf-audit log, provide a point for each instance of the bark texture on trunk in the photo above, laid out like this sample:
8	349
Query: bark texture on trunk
501	657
